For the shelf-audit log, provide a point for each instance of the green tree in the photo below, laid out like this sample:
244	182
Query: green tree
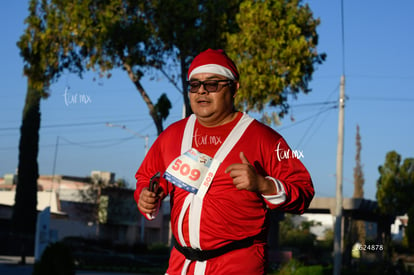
297	236
395	187
44	59
355	231
188	27
358	227
358	172
275	51
141	37
108	35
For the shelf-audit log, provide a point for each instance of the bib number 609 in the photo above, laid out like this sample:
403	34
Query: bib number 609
185	170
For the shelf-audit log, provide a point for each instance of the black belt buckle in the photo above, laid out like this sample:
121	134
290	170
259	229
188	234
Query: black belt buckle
194	254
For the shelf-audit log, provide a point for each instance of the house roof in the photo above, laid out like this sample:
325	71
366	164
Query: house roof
44	199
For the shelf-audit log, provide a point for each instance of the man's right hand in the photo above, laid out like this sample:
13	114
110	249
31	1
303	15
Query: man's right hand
149	201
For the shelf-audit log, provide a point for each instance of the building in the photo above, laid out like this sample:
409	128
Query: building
88	207
398	227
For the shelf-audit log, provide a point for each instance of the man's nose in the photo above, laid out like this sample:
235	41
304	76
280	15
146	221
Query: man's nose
202	90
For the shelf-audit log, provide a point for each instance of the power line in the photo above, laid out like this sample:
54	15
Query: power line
380	76
400	77
310	127
71	124
343	37
312	104
316	117
362	98
310	117
92	143
87	144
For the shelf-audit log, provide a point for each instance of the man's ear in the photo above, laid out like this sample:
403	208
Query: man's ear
235	87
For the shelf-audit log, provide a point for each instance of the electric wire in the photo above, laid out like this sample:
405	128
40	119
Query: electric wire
362	98
312	104
327	101
306	119
72	124
86	144
92	144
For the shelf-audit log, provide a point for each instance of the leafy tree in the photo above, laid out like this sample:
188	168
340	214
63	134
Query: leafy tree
355	230
298	236
108	35
358	173
138	36
395	185
395	188
358	227
275	51
93	204
189	27
121	183
44	59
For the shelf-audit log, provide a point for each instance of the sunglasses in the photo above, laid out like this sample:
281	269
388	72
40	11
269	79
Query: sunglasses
210	86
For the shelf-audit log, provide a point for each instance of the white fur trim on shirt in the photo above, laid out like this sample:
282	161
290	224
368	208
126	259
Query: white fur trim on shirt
280	196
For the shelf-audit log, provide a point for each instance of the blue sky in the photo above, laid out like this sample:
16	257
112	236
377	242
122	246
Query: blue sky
379	73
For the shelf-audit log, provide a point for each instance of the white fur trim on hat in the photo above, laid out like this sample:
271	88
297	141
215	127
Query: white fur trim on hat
214	69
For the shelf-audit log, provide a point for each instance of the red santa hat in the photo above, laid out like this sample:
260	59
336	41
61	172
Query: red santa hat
213	61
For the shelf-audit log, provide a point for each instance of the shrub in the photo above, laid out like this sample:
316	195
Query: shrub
313	270
57	259
290	267
295	267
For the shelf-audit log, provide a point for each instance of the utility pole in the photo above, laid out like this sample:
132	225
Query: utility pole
338	233
52	191
339	180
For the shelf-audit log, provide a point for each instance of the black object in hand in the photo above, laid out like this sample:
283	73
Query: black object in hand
155	182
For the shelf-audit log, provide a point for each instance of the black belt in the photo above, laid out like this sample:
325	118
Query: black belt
196	254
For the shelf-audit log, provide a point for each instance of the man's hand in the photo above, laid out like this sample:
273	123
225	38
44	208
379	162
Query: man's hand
148	201
245	177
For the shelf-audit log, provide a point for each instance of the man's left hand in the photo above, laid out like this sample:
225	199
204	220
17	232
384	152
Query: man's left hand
245	177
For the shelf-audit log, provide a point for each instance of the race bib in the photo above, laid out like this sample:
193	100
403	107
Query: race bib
189	170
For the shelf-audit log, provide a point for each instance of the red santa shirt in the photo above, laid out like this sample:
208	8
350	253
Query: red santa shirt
225	214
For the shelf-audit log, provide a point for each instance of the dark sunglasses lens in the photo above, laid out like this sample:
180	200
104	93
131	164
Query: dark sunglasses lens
194	86
210	86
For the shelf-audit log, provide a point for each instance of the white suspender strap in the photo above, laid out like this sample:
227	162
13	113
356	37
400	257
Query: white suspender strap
187	202
199	269
194	217
187	263
186	145
187	141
